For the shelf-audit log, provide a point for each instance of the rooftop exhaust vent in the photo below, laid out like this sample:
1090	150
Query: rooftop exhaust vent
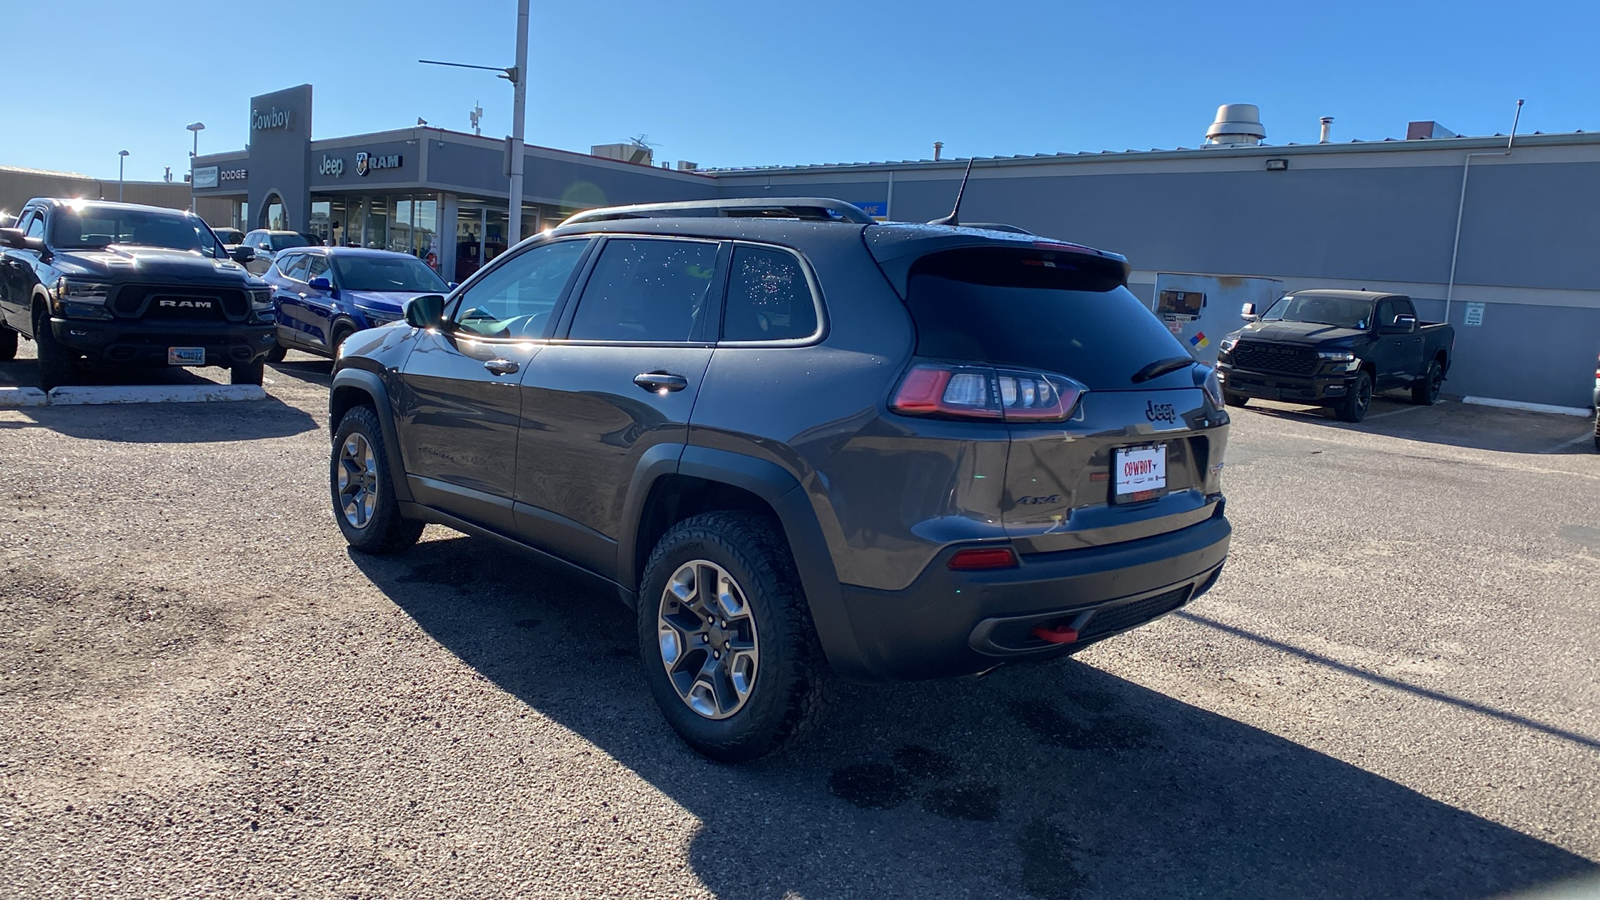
1237	125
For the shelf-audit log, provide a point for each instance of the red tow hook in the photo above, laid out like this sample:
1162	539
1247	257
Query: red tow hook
1061	634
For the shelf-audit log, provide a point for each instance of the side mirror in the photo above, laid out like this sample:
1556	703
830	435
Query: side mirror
320	284
1248	313
1402	325
426	311
13	238
242	254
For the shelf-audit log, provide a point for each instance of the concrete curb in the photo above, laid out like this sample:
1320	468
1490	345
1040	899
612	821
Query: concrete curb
185	393
1529	407
18	397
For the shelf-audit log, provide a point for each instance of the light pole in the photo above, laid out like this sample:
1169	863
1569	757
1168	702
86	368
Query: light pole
122	158
194	128
518	76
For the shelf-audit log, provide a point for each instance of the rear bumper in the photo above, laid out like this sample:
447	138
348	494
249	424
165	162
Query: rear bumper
134	343
1289	388
961	623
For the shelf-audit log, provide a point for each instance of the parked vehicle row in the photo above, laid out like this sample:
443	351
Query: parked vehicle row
127	285
322	295
1336	349
800	444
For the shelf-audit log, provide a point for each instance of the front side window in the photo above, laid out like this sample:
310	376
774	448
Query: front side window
769	298
1386	313
515	300
646	291
318	267
398	274
36	226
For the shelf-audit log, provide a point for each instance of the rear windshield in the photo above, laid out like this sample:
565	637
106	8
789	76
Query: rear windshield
1054	311
285	241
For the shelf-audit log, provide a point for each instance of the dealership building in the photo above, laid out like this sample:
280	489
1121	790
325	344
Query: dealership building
1500	241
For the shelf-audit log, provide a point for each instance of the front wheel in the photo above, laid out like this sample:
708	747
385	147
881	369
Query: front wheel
1355	404
361	483
1426	391
277	353
57	362
248	373
1236	399
729	649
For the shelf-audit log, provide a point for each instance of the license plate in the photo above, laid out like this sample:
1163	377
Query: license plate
186	356
1139	473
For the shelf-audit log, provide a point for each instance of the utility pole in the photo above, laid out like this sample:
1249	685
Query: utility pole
122	157
519	113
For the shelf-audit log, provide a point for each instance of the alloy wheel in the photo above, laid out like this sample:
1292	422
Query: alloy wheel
358	480
708	639
1364	397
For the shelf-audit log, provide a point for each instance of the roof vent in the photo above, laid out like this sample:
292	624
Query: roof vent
1422	131
1237	125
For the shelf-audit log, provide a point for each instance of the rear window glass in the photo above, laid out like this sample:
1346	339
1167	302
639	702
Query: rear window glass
1053	311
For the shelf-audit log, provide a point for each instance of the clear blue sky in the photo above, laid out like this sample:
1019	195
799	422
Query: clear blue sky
760	83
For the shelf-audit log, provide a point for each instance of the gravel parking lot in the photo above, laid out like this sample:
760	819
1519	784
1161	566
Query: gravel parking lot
1391	693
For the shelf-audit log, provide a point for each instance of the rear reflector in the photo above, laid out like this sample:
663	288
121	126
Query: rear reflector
986	558
1061	634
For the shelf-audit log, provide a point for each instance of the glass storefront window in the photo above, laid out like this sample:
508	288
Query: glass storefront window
321	220
426	228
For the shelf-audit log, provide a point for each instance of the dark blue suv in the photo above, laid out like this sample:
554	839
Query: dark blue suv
325	294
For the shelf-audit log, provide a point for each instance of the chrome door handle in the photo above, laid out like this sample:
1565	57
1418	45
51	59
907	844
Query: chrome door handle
660	382
501	366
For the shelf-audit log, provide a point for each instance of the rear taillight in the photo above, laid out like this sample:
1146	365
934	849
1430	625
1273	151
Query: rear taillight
982	392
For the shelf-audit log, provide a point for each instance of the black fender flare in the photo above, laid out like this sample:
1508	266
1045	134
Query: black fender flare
782	491
368	383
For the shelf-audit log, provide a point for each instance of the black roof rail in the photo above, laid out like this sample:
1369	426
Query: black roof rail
820	209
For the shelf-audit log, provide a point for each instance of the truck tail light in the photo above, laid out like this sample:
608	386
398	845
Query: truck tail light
953	391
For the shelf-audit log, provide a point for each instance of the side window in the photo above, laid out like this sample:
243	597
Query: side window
318	267
646	290
516	298
1385	313
35	226
295	268
769	298
1403	307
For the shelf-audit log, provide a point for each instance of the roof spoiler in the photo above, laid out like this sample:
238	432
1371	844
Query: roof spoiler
818	209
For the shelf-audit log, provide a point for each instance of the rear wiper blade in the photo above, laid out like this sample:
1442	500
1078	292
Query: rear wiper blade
1161	367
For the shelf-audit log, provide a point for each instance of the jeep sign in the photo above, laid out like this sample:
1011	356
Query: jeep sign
331	165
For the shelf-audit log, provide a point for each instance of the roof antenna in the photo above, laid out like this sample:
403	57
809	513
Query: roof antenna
954	218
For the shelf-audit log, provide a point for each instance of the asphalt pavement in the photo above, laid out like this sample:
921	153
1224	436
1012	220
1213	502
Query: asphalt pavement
1392	692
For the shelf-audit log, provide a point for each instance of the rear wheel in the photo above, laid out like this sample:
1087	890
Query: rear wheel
729	649
248	373
1426	391
1236	399
360	482
1355	404
8	344
57	362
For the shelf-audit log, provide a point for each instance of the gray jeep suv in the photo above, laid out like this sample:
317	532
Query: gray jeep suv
800	445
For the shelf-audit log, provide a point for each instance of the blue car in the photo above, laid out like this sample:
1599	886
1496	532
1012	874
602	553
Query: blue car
325	294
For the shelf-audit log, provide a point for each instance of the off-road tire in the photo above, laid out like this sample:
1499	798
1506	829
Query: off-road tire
385	531
57	362
1353	408
248	373
8	344
277	353
1235	399
790	689
1426	391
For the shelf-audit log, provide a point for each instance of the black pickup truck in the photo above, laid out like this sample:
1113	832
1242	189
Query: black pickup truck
128	285
1335	349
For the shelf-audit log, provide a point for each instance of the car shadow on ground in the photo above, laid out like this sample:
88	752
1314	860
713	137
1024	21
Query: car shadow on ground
1454	423
1054	781
303	368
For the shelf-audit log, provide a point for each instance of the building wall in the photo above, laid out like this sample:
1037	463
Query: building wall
1338	217
18	186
